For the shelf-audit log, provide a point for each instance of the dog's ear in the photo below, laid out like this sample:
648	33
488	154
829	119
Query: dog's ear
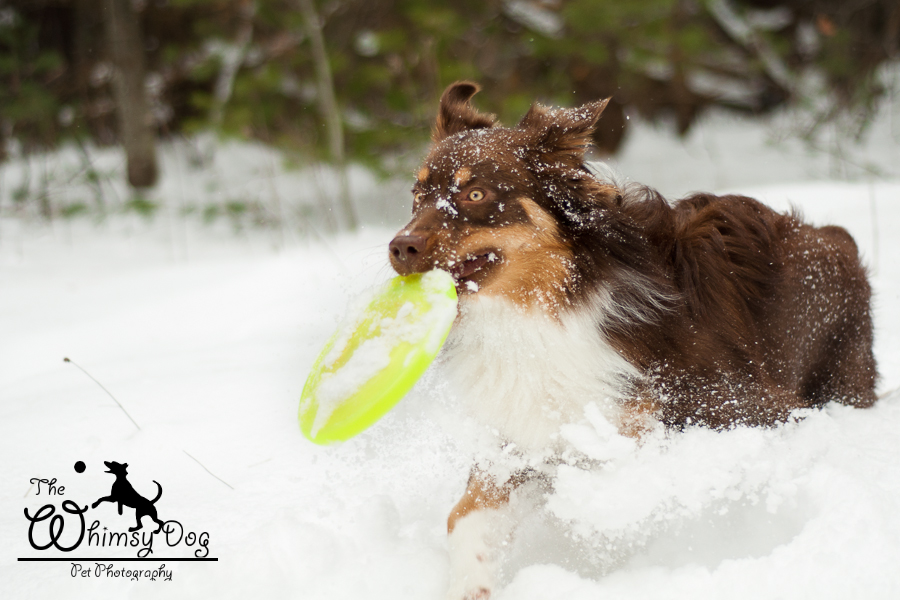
456	114
561	136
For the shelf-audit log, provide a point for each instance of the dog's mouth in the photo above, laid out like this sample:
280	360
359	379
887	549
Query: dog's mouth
469	273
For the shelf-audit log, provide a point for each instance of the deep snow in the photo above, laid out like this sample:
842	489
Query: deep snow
209	356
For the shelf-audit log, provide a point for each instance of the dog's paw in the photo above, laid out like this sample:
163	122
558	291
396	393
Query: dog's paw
472	576
475	547
477	593
473	581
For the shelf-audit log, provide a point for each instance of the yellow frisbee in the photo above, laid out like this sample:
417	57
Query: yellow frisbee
377	355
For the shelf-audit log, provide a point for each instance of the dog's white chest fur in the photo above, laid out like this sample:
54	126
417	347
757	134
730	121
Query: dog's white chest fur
525	373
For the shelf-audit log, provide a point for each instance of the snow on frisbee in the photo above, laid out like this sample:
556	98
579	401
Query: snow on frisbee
378	353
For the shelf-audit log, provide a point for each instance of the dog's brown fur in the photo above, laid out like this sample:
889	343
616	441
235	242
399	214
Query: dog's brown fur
732	313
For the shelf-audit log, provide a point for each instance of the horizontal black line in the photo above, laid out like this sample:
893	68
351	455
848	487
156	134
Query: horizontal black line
78	558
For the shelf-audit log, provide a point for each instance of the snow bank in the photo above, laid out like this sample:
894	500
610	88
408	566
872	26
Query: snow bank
802	511
233	183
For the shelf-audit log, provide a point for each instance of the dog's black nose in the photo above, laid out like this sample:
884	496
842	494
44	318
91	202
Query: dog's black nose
406	248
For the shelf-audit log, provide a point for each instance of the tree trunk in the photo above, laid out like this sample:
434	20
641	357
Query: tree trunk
329	107
84	42
136	129
232	59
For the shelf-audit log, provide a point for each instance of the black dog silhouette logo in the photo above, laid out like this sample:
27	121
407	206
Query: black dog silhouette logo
124	494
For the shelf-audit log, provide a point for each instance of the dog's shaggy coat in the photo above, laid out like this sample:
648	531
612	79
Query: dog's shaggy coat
713	311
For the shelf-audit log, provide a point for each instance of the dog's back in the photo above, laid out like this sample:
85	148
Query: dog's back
775	315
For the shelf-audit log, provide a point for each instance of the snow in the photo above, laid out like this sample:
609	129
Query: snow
208	350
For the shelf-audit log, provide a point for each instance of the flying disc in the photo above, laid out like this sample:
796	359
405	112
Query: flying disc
379	352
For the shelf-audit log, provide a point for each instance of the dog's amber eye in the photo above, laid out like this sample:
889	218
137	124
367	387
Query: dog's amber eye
476	195
417	198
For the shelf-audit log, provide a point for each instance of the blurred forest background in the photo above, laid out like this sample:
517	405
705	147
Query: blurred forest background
343	82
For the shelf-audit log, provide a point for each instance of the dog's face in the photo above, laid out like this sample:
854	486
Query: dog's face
116	468
488	201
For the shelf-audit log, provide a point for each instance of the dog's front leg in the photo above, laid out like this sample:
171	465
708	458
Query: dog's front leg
479	526
103	499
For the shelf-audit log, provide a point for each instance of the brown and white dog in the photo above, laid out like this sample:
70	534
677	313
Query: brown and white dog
713	311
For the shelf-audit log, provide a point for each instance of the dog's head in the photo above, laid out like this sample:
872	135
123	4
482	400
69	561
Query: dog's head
497	207
116	468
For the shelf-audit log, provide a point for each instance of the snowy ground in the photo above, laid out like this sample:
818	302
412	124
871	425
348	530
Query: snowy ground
208	348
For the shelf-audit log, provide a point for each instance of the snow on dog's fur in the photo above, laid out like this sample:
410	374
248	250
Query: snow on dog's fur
713	310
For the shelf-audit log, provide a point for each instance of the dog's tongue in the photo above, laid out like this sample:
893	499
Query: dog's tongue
467	267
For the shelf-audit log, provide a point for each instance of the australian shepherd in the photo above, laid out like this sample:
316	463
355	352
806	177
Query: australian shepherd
712	311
